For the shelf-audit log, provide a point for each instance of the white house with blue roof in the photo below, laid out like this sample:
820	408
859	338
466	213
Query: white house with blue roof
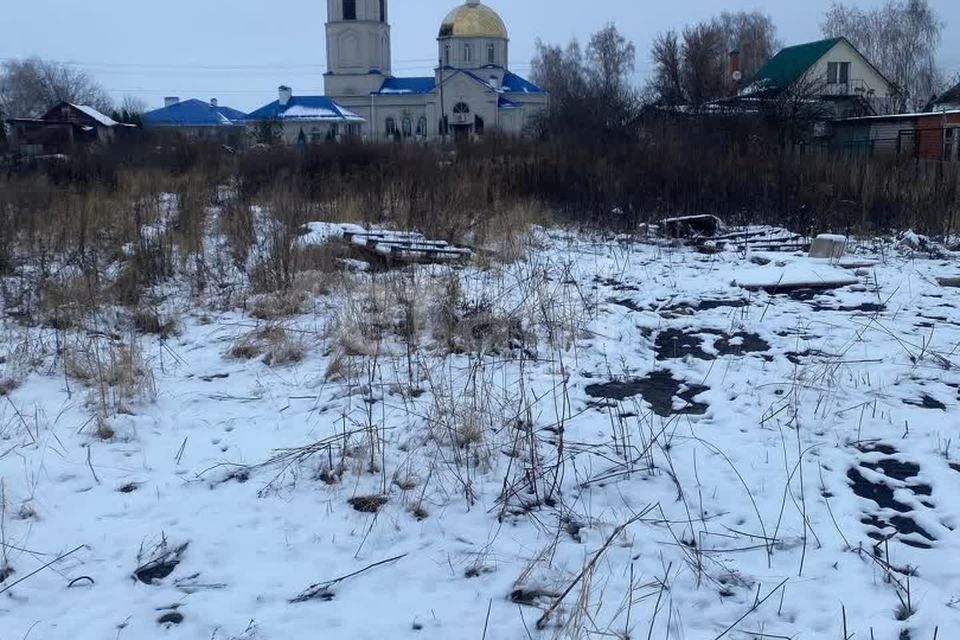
471	92
198	119
302	120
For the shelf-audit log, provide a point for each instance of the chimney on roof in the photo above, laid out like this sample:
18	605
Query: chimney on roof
286	93
214	103
170	101
736	74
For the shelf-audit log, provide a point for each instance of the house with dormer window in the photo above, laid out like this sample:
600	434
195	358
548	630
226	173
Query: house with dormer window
831	71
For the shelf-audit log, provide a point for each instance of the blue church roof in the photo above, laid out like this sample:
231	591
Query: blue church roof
515	84
505	103
305	108
407	86
194	113
512	83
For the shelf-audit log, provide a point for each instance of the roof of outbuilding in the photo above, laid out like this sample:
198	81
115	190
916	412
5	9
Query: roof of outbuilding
791	63
194	113
952	96
305	108
101	118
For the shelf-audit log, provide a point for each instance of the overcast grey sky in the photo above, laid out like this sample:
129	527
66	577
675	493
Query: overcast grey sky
240	50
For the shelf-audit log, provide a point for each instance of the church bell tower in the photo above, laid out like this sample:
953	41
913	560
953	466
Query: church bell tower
358	46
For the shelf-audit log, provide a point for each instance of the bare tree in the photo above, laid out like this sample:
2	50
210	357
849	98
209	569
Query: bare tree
667	84
797	110
130	111
901	39
703	67
693	69
30	87
591	95
753	34
611	62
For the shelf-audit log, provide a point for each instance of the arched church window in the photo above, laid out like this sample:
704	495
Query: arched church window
461	108
422	128
478	125
391	127
446	54
467	52
407	127
491	53
349	9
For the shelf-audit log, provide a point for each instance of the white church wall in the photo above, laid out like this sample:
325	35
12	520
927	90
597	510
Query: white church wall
473	53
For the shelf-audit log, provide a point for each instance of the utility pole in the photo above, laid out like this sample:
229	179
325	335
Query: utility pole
443	110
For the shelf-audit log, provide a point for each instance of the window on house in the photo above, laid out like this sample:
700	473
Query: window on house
491	54
349	9
478	125
467	52
422	128
391	127
407	127
950	140
838	72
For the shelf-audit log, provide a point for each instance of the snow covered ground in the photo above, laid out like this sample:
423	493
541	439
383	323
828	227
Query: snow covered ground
604	439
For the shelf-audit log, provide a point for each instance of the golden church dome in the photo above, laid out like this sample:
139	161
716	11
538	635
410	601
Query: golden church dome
473	20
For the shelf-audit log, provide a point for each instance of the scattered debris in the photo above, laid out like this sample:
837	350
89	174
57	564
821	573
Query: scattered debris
368	504
324	590
807	283
170	618
691	226
916	242
384	247
763	238
159	562
951	282
81	581
533	596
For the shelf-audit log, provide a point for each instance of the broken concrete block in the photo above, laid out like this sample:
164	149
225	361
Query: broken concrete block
828	246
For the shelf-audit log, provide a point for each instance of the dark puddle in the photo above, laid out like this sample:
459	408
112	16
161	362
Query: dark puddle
926	402
658	389
898	475
673	343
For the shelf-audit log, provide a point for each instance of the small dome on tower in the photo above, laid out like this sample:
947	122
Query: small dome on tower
473	20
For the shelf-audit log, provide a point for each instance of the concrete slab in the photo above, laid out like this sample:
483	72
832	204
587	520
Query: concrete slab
828	246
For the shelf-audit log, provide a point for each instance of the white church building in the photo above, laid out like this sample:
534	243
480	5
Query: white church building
471	92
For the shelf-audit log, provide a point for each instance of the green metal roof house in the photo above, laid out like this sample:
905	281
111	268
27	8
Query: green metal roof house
825	69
